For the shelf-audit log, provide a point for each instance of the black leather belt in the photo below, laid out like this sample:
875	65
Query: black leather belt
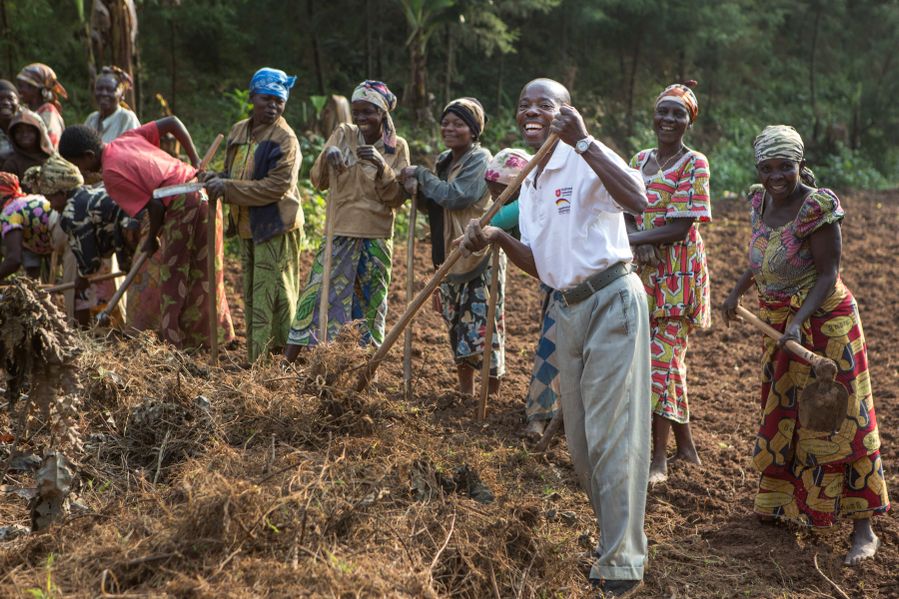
593	284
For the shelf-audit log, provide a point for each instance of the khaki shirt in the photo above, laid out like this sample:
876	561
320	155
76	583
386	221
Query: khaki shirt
364	205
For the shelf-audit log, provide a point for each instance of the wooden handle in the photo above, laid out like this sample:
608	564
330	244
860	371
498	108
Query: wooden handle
113	302
324	303
551	429
794	348
416	304
410	292
212	277
210	153
94	279
488	335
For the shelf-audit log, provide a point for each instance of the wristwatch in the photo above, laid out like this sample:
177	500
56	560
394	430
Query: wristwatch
581	146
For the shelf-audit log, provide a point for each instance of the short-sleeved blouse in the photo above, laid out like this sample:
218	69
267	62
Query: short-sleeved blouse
781	257
678	287
31	215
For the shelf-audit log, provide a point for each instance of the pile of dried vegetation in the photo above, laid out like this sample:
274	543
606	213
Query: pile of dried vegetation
227	482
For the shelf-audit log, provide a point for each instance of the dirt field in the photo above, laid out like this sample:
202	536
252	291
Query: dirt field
278	488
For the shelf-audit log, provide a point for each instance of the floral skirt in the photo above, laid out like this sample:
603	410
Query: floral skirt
184	278
464	309
360	278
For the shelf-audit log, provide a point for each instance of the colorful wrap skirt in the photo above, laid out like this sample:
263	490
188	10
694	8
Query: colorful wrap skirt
543	391
668	349
464	310
271	284
813	477
183	274
360	278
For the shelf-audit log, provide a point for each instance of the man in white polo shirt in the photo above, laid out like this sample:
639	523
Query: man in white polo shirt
573	238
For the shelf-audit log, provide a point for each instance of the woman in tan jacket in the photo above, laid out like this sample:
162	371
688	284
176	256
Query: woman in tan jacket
359	165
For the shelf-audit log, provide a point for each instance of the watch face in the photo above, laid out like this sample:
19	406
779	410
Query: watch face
582	145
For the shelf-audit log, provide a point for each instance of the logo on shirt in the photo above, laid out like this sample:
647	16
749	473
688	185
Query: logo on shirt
563	200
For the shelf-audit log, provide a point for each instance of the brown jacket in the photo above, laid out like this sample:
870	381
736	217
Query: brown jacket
364	205
263	166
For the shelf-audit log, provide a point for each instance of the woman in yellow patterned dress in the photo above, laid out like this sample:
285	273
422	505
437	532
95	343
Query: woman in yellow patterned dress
794	260
671	260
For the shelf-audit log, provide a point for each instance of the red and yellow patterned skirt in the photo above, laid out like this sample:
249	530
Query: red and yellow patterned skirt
810	476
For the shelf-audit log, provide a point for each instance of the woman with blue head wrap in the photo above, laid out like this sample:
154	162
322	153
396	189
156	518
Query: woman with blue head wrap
262	165
272	82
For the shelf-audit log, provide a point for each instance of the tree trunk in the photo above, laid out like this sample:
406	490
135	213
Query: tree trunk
7	41
450	65
632	84
316	55
811	75
419	67
499	83
173	34
369	45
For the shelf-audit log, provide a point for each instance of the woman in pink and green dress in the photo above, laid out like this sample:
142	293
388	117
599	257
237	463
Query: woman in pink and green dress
671	260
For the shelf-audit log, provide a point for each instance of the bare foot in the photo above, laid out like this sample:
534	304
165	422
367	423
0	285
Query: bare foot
864	544
534	430
688	455
658	471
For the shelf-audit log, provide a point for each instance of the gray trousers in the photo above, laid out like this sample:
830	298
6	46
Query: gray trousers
603	354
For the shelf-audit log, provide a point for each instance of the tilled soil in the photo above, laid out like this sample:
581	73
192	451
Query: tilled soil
213	525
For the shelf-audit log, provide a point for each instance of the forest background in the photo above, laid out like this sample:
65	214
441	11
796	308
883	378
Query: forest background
827	67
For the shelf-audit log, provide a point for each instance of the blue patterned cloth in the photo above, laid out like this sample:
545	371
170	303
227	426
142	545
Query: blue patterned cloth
272	82
543	392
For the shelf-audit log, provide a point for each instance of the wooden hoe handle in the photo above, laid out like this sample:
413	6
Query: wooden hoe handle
795	348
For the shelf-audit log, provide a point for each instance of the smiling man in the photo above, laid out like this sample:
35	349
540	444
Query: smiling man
573	238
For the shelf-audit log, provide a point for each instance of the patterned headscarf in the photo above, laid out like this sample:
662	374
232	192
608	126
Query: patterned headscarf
377	93
505	166
683	95
55	175
41	76
784	142
470	111
123	79
9	187
272	82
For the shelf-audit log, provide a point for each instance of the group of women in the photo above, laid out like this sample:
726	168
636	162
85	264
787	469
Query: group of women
793	259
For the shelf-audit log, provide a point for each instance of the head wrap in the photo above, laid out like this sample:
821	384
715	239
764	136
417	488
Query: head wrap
41	76
33	119
784	142
7	86
683	95
470	111
377	93
54	176
272	82
505	166
9	187
124	82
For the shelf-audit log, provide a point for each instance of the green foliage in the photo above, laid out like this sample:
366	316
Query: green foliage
827	68
318	102
49	589
240	103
